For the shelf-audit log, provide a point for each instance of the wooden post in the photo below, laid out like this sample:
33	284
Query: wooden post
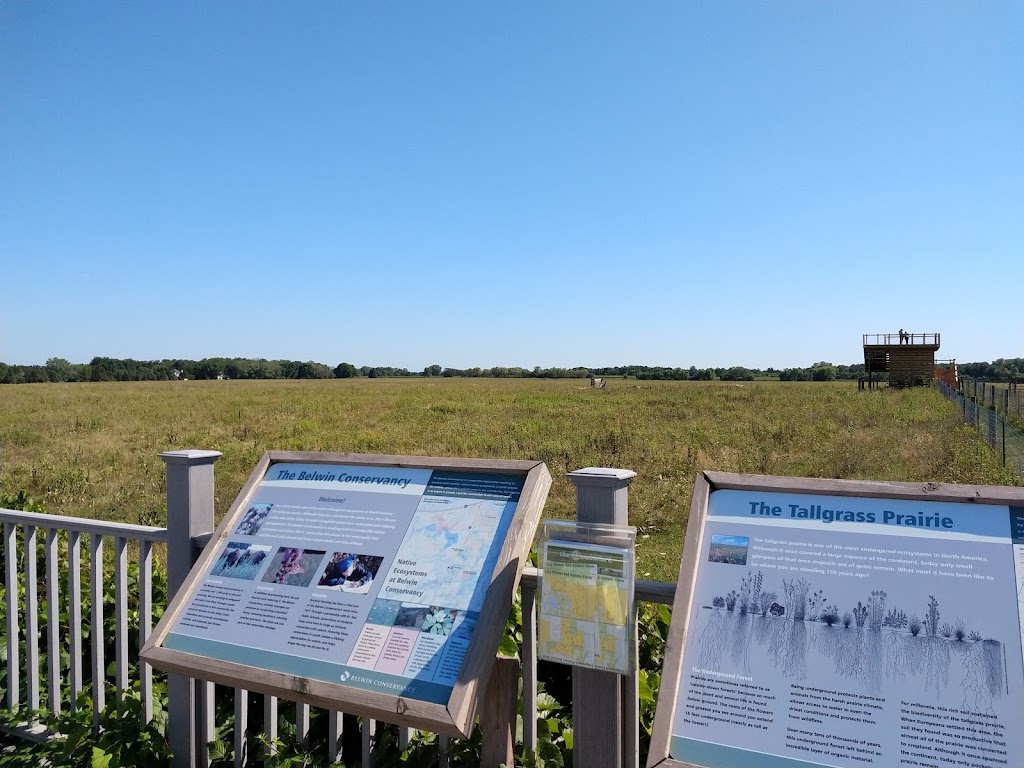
189	513
597	705
498	714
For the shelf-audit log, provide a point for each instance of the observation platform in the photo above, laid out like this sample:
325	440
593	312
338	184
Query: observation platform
909	361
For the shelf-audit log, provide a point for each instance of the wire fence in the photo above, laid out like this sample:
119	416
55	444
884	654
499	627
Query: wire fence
994	428
1005	397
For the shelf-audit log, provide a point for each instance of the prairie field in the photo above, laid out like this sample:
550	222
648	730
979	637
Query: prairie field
91	449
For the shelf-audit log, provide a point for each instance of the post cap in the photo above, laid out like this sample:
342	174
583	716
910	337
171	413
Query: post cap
603	476
191	457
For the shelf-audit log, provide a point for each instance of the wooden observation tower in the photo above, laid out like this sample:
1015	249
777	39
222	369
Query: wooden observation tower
909	361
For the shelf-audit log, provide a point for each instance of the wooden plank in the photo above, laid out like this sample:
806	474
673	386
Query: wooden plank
13	643
83	525
973	494
404	735
53	666
445	463
206	702
442	752
269	727
31	620
99	690
661	734
302	724
145	625
120	617
334	730
75	617
498	714
367	728
529	668
241	734
631	705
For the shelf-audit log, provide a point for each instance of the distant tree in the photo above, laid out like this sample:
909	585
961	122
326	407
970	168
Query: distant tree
823	371
59	369
432	370
345	371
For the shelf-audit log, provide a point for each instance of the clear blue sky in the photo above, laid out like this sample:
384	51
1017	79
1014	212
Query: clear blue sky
528	183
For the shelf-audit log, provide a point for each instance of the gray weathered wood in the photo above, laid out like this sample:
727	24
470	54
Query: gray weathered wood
145	625
601	497
205	705
120	617
529	604
404	734
83	525
498	715
631	706
442	752
241	736
31	620
53	666
367	729
11	577
302	724
99	689
269	726
190	496
75	617
334	728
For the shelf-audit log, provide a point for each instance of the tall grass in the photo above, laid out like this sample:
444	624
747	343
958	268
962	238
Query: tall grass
91	449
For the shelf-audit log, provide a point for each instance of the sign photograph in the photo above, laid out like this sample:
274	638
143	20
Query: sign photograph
376	585
845	623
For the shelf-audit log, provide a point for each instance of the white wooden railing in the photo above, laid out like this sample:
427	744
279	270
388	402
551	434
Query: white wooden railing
191	702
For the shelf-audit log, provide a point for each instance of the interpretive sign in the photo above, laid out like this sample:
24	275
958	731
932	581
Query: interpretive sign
846	624
377	585
586	615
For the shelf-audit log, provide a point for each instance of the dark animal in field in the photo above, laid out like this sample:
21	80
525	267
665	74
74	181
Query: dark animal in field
777	610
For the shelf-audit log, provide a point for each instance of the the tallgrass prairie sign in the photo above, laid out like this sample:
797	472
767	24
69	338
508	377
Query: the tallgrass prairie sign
846	624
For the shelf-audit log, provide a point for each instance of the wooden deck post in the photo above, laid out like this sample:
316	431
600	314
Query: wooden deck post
498	714
603	729
189	513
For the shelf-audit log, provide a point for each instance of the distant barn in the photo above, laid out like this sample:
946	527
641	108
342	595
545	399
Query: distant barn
909	360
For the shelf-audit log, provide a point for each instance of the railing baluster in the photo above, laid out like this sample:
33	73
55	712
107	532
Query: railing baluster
334	728
367	727
302	723
52	541
241	727
99	692
11	575
75	616
269	726
442	752
530	669
205	692
145	624
121	616
404	734
31	620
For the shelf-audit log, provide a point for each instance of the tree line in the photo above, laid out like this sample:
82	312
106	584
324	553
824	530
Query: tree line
116	369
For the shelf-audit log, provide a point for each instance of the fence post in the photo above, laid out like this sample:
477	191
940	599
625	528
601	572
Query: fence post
597	701
189	513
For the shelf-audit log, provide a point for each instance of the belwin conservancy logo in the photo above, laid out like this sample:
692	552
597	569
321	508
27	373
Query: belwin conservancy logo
347	676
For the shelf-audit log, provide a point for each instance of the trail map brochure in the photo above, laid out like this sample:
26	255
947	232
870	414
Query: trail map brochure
371	577
585	605
852	632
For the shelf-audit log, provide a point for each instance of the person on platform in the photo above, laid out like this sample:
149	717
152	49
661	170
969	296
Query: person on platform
903	335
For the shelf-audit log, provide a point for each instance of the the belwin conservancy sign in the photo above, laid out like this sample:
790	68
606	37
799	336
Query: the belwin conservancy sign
846	624
377	585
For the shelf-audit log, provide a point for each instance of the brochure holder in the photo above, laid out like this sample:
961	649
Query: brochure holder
587	607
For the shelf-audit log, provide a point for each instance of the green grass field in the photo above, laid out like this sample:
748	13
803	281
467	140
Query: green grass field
91	449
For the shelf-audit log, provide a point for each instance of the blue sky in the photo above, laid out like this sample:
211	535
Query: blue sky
663	183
